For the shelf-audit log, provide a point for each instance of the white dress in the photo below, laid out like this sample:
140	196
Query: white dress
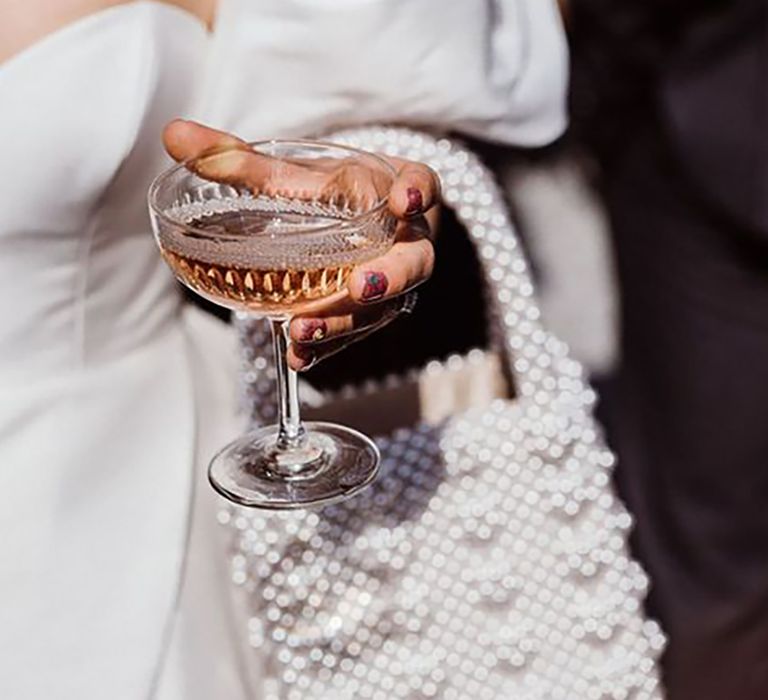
106	382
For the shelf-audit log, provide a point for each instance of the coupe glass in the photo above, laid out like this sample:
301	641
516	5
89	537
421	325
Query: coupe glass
274	229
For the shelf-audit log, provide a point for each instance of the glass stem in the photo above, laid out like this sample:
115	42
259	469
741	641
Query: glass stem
291	431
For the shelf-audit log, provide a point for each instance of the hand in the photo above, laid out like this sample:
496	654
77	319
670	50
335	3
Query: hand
379	290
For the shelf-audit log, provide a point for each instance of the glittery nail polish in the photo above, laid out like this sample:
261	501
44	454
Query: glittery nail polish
375	286
415	201
313	330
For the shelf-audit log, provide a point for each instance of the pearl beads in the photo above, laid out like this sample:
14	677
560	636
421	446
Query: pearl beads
488	560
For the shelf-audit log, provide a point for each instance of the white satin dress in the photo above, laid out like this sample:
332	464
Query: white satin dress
112	395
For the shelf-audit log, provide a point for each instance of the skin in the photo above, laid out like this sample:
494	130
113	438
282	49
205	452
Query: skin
406	265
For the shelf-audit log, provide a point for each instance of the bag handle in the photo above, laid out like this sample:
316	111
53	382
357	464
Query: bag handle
545	377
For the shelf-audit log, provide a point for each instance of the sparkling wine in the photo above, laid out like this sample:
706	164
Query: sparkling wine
269	280
267	291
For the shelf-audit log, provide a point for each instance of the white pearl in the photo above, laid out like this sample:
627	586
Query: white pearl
512	579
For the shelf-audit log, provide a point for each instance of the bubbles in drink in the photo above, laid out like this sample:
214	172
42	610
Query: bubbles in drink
267	261
269	255
268	291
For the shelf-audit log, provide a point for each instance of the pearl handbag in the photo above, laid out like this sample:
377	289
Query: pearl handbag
488	561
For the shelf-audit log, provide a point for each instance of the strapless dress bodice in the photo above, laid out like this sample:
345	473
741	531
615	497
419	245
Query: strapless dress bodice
112	394
81	281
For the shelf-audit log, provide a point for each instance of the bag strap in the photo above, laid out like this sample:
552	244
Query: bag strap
546	379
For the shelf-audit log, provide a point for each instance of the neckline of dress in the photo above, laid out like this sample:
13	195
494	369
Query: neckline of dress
94	18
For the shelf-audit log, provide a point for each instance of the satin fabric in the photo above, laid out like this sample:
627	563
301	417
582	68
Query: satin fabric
495	69
101	422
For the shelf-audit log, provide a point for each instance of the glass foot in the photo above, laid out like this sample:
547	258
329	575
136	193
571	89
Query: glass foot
332	464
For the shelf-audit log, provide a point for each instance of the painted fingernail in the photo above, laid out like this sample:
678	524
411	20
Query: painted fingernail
415	200
307	357
375	286
313	330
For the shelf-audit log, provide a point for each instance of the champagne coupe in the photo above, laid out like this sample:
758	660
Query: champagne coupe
274	229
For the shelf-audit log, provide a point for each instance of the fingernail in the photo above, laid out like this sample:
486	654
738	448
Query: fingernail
375	286
307	357
313	330
415	200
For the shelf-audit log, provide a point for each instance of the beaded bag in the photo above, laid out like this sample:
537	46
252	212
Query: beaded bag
488	560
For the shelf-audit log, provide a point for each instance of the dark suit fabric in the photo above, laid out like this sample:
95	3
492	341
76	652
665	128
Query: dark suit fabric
679	121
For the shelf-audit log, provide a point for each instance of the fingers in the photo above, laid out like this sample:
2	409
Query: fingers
215	155
304	357
408	263
354	185
316	338
415	190
340	320
221	157
185	140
